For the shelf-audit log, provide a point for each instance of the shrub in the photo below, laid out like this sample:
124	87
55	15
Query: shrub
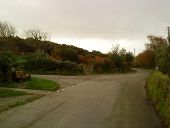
145	59
5	65
69	54
158	86
103	67
42	64
121	59
163	59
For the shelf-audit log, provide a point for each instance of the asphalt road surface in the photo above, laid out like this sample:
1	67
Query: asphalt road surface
96	101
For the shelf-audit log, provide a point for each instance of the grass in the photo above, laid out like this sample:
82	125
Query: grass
10	93
34	83
42	84
19	103
158	91
10	85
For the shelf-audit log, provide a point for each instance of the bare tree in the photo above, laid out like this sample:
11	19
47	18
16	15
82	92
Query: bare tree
7	30
37	34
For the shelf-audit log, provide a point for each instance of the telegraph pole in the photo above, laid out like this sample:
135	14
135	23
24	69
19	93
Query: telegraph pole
169	35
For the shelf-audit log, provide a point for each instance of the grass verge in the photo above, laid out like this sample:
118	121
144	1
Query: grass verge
41	84
19	103
10	93
158	90
34	83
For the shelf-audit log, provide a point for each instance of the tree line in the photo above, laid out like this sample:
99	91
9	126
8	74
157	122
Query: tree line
156	54
37	54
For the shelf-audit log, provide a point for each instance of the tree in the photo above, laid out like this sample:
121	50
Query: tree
129	58
8	62
88	59
121	58
156	42
7	30
115	49
69	54
162	59
146	59
5	65
97	53
36	34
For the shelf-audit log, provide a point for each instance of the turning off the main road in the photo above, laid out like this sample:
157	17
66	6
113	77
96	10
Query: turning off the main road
95	101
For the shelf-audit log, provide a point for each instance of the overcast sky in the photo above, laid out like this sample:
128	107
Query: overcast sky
91	24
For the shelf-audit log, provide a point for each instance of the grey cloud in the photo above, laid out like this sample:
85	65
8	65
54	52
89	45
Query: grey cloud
112	19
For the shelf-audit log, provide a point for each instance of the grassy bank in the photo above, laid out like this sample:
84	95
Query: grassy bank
158	90
41	84
34	83
11	98
19	102
10	93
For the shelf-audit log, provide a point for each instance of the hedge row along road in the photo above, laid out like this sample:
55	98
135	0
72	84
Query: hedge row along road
96	101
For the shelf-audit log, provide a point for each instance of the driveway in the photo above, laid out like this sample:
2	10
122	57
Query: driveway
96	101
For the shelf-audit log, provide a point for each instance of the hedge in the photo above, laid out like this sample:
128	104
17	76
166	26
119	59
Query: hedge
158	90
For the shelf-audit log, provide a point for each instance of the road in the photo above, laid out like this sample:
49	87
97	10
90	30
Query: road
96	101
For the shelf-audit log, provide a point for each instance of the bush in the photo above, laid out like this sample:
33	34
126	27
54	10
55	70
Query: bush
42	64
69	54
163	59
146	59
121	59
158	89
6	60
103	67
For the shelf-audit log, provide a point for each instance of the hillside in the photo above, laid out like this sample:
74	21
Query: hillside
49	57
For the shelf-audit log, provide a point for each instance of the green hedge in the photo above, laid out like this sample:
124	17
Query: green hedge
162	59
46	65
158	89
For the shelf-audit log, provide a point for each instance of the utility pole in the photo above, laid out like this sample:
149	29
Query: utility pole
134	51
169	35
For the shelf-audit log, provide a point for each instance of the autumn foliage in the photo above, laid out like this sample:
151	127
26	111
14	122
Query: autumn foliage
42	55
146	59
